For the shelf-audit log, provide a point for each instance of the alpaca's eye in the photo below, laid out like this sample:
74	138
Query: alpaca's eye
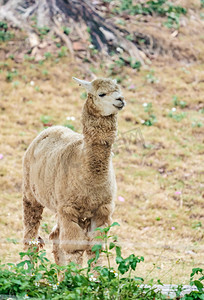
102	95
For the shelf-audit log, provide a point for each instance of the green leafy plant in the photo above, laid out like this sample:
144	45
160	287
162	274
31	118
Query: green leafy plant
177	116
177	102
5	34
47	55
151	78
117	66
163	8
45	228
43	31
46	120
29	58
36	277
71	126
199	283
11	74
45	72
83	95
62	52
66	30
197	123
151	118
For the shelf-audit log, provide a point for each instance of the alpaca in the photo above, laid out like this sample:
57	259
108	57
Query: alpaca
72	174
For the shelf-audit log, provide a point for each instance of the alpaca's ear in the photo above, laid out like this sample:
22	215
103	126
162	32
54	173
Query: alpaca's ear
115	81
85	84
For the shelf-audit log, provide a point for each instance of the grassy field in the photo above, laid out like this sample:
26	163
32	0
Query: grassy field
158	154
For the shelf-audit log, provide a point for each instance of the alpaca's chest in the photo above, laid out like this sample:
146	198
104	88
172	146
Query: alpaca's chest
88	199
91	199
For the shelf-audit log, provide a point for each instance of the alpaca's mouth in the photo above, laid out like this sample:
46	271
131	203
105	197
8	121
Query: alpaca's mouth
120	105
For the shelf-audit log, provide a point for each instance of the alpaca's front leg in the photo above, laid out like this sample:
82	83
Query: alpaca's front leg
61	257
72	237
102	218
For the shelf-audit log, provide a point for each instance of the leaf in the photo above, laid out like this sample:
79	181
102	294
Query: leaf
111	245
96	247
118	259
118	251
139	279
99	229
21	264
89	263
196	271
115	224
133	264
97	254
199	285
123	268
16	281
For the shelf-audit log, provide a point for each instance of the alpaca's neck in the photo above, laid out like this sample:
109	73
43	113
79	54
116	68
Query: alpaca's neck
99	135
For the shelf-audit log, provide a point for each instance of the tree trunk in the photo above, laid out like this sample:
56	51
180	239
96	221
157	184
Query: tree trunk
79	15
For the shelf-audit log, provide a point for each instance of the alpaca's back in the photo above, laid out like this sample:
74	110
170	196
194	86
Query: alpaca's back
47	159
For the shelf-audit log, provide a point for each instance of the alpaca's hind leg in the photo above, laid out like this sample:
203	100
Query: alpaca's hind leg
54	236
32	214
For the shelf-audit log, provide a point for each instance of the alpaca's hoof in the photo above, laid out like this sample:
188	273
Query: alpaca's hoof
73	246
41	242
38	243
55	233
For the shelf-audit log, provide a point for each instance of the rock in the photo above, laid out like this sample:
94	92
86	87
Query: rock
78	46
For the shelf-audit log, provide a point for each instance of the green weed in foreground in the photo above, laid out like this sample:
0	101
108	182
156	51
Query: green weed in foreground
37	277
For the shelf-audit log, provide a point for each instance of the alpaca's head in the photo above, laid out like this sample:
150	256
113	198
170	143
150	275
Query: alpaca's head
107	95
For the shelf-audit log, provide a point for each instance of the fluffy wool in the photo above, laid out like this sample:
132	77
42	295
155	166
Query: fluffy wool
72	175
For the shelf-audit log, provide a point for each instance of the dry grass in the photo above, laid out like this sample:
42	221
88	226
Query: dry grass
162	217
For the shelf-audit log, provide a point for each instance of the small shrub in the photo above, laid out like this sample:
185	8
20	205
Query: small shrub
135	64
29	58
197	124
47	55
66	30
161	8
11	74
43	31
45	72
151	118
62	52
83	95
5	34
176	116
46	120
151	78
68	125
45	228
179	103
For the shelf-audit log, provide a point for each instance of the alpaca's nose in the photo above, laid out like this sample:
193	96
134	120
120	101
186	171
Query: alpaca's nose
122	101
121	98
